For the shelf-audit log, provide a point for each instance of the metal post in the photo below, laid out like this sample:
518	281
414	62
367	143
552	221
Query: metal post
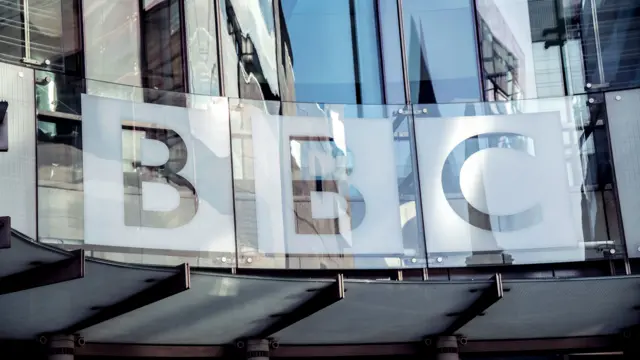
61	347
27	32
596	35
257	349
447	348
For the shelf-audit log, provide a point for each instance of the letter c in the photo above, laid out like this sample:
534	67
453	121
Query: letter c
511	222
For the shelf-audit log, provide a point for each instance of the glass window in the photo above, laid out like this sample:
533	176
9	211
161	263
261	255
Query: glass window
249	49
202	52
334	50
391	52
162	55
611	32
51	38
441	50
548	48
523	45
112	48
11	31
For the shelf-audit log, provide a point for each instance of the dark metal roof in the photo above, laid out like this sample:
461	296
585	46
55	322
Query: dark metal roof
160	310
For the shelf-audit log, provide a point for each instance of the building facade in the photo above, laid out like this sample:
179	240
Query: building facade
404	141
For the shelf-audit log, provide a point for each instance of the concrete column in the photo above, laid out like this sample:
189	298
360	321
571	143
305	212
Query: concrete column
447	348
61	347
257	349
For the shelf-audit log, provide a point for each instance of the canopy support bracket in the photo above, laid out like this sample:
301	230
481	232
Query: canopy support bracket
5	232
321	299
489	296
161	290
44	274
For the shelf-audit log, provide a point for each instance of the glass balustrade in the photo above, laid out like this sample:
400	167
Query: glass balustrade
223	182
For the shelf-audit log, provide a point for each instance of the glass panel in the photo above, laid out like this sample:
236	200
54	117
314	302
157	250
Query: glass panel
623	108
614	31
311	191
112	47
550	48
438	71
202	51
56	92
249	49
51	39
11	31
549	200
391	52
138	182
334	49
17	148
518	59
162	60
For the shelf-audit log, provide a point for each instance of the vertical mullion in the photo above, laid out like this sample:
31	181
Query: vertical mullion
82	67
218	19
403	53
144	70
477	28
412	136
279	54
559	16
380	48
27	30
183	44
356	54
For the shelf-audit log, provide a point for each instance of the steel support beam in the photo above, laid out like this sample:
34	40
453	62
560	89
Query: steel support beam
150	351
524	346
551	345
46	274
489	296
321	299
161	290
338	351
5	232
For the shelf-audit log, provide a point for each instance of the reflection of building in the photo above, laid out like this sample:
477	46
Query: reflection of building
502	57
161	58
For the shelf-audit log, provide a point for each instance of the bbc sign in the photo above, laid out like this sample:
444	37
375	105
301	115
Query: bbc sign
163	177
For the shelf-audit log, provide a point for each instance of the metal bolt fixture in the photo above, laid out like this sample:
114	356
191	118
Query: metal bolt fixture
618	97
47	62
592	100
414	260
249	260
401	111
589	85
439	259
224	259
21	74
612	251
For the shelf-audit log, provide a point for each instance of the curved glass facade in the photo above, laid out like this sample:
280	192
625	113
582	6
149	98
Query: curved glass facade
346	134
